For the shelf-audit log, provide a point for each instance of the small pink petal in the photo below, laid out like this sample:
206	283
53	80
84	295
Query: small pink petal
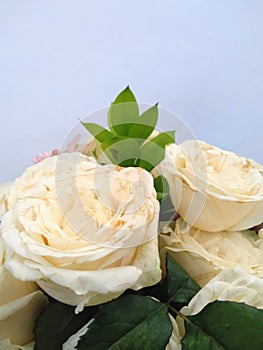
73	146
55	152
45	155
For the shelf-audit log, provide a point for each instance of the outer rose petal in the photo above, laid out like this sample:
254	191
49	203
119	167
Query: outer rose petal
175	339
4	205
204	254
20	305
234	285
72	342
6	345
81	288
212	189
17	318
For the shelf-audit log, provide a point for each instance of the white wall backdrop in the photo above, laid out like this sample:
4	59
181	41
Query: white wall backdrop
61	60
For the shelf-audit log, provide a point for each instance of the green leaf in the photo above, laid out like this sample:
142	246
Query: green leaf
225	325
153	151
57	323
167	210
129	322
161	186
179	285
163	139
100	133
125	96
123	113
122	151
145	125
106	146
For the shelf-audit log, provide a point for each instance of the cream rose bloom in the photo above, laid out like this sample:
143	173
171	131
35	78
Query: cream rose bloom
20	305
85	232
213	189
204	254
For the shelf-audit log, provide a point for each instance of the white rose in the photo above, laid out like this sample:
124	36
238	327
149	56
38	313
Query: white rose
212	189
85	232
20	305
204	254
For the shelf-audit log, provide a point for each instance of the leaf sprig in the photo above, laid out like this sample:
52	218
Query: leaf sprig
128	140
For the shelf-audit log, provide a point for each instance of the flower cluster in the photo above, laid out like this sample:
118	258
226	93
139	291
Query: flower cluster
82	232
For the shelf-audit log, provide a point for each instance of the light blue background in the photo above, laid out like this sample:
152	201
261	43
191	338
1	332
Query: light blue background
61	60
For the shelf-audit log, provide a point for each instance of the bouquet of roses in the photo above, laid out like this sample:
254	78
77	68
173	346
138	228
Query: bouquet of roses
131	241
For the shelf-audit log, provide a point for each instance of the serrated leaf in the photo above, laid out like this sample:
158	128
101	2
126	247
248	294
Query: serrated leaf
224	325
145	125
57	323
153	151
100	133
130	322
123	113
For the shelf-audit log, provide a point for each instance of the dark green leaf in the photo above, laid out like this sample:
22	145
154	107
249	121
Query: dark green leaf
145	125
100	133
123	113
179	286
198	339
153	151
57	323
167	210
132	322
225	325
